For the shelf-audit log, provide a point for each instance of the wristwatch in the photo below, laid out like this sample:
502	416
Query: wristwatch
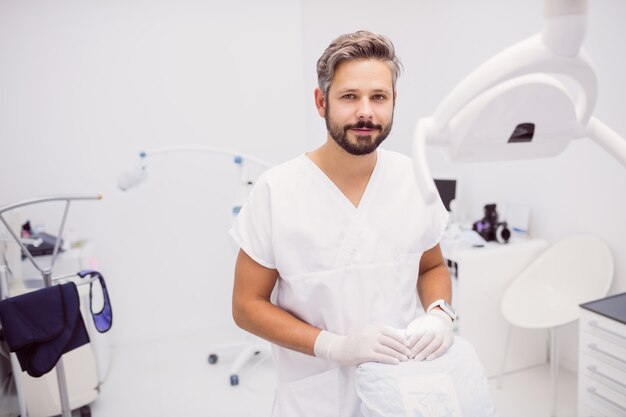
447	308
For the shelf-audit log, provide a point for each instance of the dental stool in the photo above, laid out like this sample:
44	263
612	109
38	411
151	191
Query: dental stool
250	348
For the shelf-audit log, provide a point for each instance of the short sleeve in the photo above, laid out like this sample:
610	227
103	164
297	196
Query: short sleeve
252	228
437	218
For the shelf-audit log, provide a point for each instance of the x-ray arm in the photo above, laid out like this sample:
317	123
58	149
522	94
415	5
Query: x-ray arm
608	139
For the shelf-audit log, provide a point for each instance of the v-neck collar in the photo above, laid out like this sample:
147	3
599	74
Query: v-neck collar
339	195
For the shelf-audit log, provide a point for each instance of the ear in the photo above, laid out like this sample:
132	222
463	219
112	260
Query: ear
320	103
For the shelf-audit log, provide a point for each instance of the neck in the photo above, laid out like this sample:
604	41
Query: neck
337	163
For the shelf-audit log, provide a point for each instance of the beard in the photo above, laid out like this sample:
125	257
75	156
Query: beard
365	144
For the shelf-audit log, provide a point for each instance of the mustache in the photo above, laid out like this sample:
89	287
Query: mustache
363	125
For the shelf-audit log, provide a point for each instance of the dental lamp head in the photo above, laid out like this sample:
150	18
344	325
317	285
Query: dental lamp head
132	178
514	107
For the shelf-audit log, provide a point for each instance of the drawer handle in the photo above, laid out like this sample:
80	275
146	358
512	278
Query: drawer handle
595	348
593	391
594	370
595	325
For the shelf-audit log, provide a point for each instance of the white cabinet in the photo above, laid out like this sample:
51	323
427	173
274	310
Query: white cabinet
479	278
602	358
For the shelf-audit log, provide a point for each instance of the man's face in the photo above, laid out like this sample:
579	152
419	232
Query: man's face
359	105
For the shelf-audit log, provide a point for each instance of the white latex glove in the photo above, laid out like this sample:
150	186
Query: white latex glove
370	344
430	335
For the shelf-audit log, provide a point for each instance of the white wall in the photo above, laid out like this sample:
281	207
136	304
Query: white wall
440	42
86	85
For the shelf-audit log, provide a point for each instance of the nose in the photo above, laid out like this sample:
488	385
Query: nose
364	110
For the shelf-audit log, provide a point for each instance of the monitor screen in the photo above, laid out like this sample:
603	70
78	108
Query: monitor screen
447	191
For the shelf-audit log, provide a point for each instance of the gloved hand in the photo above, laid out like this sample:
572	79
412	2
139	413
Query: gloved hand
370	344
430	335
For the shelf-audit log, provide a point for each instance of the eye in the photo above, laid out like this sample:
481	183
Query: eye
349	96
379	97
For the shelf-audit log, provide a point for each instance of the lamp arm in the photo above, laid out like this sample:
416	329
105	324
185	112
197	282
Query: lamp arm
207	149
138	174
425	182
564	26
608	139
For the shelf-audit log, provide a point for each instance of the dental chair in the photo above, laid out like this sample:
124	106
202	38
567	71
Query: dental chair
546	295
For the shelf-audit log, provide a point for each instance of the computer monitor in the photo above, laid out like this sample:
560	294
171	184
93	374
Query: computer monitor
447	190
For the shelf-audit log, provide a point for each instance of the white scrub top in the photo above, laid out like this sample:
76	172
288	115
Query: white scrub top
340	267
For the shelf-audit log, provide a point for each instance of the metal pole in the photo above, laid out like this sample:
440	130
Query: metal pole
57	244
15	365
554	369
60	369
66	411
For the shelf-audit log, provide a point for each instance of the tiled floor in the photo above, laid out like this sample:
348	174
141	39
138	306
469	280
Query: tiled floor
173	378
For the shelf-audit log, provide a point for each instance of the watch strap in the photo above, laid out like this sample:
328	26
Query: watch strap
441	303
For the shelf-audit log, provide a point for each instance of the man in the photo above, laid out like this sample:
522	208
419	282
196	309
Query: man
344	235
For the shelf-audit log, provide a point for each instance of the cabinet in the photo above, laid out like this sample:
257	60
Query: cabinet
602	358
480	275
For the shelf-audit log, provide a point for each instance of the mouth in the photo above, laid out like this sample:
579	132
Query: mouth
363	128
362	131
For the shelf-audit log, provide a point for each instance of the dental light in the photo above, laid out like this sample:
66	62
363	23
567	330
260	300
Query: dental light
515	106
138	174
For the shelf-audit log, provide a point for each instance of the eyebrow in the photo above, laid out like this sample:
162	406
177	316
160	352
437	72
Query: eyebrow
356	90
